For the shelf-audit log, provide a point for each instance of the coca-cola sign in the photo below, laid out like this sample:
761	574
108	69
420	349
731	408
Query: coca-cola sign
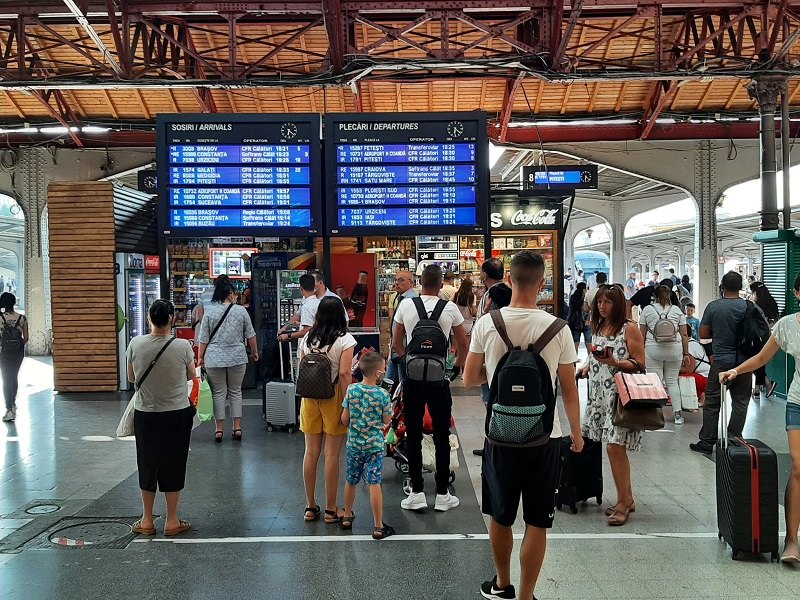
515	216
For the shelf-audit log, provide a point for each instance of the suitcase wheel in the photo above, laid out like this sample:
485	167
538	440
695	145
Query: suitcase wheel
452	477
599	500
270	427
404	468
774	557
290	430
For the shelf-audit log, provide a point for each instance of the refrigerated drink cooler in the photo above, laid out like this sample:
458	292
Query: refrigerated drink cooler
131	300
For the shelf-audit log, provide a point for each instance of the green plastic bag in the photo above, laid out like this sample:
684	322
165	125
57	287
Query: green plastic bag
205	403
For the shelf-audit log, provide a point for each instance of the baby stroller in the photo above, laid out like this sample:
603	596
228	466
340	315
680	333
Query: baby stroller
396	444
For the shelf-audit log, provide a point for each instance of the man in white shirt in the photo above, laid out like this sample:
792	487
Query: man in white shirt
306	315
321	290
436	395
448	290
529	472
589	298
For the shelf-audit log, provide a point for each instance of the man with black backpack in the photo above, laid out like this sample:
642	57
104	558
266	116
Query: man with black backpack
738	330
520	350
422	328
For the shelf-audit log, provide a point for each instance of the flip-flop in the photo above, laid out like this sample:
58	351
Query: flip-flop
137	528
315	513
332	517
183	526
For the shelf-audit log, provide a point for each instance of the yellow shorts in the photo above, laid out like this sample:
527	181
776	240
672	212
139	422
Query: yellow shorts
323	416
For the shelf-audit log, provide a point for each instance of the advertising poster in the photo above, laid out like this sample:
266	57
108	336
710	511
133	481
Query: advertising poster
353	280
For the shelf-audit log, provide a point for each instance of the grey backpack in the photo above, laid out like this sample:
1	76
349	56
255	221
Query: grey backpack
664	330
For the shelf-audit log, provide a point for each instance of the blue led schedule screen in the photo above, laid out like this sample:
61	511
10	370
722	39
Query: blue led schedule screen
246	174
426	172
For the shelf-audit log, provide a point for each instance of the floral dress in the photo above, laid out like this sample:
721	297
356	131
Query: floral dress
603	393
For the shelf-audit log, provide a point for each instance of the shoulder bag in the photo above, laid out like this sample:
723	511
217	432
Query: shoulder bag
219	324
125	427
631	415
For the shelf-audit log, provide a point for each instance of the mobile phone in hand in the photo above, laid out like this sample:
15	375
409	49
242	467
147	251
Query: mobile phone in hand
601	351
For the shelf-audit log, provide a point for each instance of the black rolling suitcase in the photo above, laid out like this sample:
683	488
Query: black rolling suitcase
581	476
747	493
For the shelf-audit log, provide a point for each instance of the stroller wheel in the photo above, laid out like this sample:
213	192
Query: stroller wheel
407	486
403	468
398	465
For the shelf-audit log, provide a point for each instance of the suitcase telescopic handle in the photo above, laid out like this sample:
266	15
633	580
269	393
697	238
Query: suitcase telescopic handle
723	415
280	358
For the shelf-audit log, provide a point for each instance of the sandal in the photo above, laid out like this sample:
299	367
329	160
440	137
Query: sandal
218	436
314	516
237	436
610	510
619	517
381	533
347	522
137	528
183	526
332	517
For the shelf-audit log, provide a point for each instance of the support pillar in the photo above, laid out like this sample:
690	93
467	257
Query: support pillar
32	180
618	222
767	91
706	194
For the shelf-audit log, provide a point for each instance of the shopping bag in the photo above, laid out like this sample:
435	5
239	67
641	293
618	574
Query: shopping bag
194	391
125	426
688	387
205	402
640	389
429	452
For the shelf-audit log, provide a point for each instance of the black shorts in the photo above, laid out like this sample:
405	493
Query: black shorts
162	448
531	473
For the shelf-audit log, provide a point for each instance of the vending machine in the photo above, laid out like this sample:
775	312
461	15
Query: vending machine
131	302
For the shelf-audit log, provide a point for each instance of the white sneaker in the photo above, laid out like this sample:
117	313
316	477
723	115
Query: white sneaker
445	502
10	415
678	419
415	501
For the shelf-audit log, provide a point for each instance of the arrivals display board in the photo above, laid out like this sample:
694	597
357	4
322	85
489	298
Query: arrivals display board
406	173
239	175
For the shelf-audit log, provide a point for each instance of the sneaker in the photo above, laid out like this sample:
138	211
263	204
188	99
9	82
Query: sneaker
415	501
702	448
678	419
445	502
771	386
478	452
10	415
490	590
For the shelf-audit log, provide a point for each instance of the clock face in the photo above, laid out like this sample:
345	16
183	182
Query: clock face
586	176
455	129
289	130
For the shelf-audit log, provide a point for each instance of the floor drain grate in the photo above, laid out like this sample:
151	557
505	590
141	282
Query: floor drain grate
43	509
96	533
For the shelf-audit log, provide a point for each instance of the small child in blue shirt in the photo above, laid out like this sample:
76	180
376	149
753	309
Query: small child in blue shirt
693	322
367	408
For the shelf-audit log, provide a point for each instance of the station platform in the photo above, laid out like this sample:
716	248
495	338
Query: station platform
245	502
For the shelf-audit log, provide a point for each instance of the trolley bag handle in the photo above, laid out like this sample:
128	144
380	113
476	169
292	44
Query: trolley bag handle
138	384
723	416
280	358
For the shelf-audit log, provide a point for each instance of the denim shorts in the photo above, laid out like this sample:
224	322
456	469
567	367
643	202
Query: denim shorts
792	416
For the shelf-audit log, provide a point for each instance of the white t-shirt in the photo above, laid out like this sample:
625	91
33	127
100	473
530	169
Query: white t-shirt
334	351
653	313
407	316
589	298
308	311
524	326
787	335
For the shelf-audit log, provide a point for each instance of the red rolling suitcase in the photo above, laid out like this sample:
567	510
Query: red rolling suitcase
747	493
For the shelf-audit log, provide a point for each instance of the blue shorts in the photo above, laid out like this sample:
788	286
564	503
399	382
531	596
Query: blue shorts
792	416
586	332
368	465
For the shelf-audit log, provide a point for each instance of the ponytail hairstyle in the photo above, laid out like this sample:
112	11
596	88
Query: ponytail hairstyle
161	313
222	289
663	295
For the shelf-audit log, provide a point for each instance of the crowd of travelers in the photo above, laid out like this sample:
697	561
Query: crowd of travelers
504	343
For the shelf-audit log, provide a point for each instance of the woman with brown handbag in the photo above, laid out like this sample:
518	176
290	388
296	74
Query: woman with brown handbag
618	346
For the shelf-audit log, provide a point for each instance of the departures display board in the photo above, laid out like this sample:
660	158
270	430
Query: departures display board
406	173
229	174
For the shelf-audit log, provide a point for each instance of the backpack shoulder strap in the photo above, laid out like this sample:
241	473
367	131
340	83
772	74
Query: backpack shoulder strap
420	306
438	309
500	326
548	335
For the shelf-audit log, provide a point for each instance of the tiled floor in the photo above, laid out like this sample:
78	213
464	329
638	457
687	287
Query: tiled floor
249	539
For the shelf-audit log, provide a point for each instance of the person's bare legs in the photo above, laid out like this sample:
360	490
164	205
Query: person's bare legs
310	461
621	470
502	540
333	447
237	423
349	499
376	502
792	500
148	500
531	558
220	424
172	521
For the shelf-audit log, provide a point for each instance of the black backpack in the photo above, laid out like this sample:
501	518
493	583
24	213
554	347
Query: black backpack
575	320
753	331
314	376
11	337
426	352
522	402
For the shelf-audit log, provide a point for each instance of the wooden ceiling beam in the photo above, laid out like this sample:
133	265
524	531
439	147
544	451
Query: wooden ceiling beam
13	103
110	103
